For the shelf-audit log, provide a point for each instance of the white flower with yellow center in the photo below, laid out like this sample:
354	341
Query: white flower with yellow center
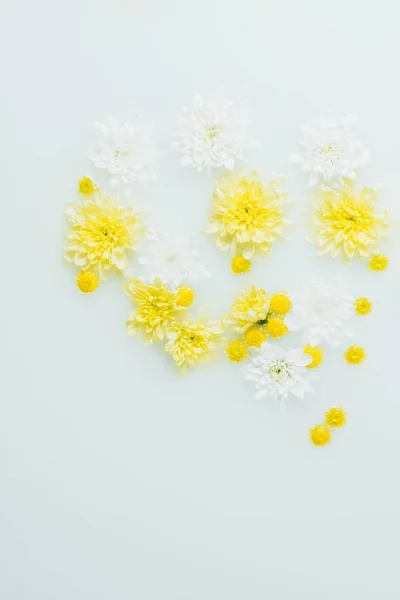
172	259
212	133
322	312
330	150
126	149
278	373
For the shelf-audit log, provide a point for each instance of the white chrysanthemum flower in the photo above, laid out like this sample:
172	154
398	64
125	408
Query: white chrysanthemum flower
330	149
213	133
172	259
322	312
277	372
126	149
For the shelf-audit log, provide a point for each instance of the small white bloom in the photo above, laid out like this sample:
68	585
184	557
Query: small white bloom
330	149
126	149
277	372
212	133
172	259
322	313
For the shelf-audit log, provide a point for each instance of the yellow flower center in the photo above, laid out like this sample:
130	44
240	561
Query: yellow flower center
211	132
329	153
276	327
363	306
355	355
87	282
316	355
335	417
379	262
236	351
185	296
240	265
280	304
320	435
255	336
86	186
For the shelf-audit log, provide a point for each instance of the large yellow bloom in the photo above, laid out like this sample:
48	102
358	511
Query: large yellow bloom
192	341
101	232
247	215
348	222
251	307
157	308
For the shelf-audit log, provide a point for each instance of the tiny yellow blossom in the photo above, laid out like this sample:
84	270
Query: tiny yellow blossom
363	306
335	417
320	435
86	186
280	304
355	355
236	351
276	327
87	282
255	336
316	355
379	262
185	296
240	265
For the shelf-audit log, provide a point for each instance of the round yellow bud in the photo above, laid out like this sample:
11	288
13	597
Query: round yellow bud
254	336
355	355
240	265
86	186
379	262
185	296
236	351
320	435
276	327
280	304
335	417
87	282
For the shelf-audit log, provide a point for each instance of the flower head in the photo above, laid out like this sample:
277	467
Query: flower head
378	262
330	149
247	215
322	313
100	233
87	282
316	355
156	309
348	222
185	296
320	435
251	307
279	372
280	304
335	417
86	186
255	336
240	265
363	306
171	259
192	341
212	134
276	327
355	355
236	351
126	149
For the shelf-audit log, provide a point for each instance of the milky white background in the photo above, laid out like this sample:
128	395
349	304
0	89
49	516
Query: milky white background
119	480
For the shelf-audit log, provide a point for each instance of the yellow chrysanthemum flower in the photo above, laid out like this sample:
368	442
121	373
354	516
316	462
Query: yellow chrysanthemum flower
185	296
100	233
280	304
320	435
335	417
276	327
348	222
192	341
247	215
251	307
240	265
355	355
255	336
236	351
87	282
86	186
316	355
156	308
379	262
363	306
